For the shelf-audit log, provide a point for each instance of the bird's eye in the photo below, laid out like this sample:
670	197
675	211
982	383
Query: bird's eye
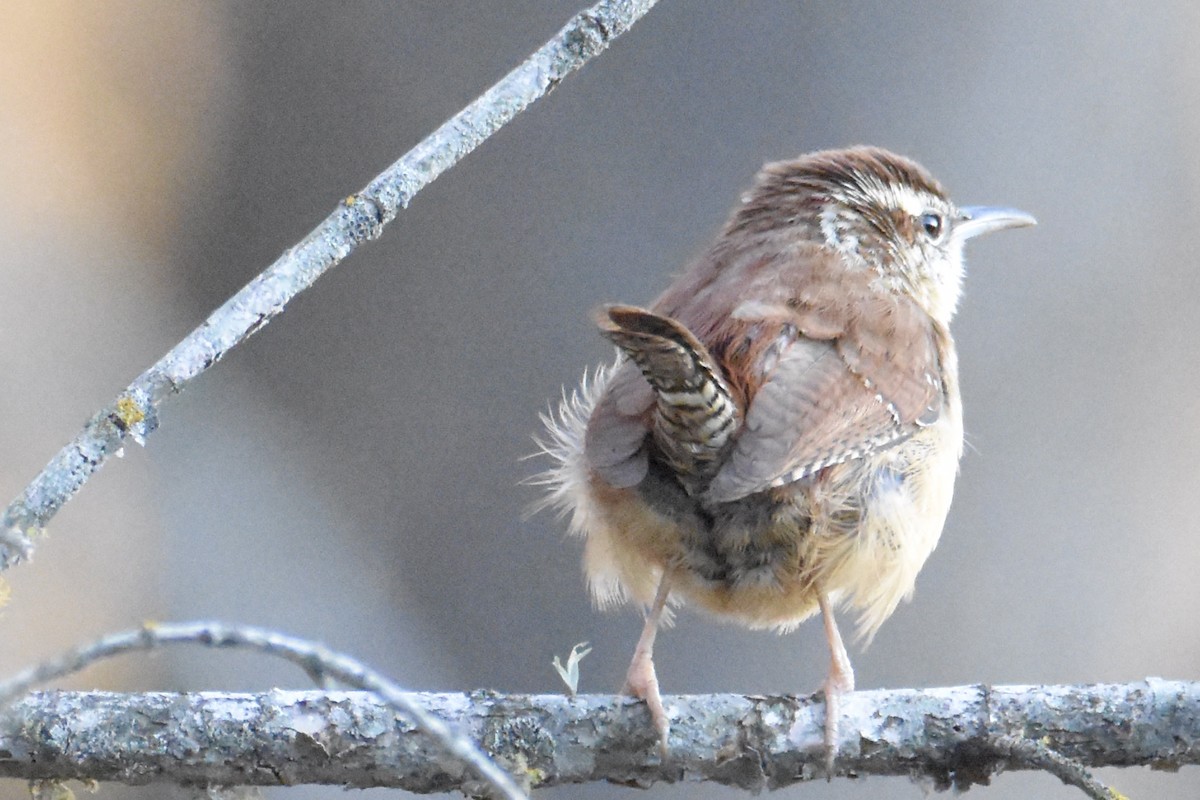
933	225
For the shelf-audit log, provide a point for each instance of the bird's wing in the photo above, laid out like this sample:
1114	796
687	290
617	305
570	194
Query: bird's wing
857	383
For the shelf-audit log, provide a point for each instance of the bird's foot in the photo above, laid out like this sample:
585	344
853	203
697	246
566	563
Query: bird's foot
642	682
838	683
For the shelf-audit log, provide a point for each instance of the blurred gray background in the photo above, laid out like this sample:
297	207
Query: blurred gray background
351	474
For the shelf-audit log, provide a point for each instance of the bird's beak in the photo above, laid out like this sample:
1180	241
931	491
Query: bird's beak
974	220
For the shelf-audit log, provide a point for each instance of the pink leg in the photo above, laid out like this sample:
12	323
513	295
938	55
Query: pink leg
839	681
641	680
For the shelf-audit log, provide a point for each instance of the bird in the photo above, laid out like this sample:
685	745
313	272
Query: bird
781	430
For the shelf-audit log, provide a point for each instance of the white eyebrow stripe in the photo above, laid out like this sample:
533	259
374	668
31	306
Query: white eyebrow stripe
910	200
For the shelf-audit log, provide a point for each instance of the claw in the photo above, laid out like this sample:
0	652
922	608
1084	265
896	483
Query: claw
641	681
840	681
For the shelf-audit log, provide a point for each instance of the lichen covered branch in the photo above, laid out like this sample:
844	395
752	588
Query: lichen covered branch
953	737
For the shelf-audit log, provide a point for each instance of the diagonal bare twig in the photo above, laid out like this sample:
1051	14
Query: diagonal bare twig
315	659
359	218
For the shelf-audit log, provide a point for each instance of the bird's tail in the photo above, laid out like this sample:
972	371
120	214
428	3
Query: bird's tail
696	415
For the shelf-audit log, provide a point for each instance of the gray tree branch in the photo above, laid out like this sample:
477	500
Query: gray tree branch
361	217
951	737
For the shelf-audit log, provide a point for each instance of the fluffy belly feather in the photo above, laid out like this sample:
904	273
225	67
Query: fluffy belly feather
822	537
860	531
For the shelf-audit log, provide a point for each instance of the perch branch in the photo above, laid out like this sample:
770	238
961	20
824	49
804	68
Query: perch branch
954	737
359	218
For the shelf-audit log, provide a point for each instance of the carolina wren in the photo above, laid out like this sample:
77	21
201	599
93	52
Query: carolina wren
782	428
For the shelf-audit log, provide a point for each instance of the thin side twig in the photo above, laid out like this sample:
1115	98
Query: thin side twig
359	218
1035	754
953	737
316	660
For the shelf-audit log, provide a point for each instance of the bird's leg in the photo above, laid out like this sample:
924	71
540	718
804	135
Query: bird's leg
839	681
640	680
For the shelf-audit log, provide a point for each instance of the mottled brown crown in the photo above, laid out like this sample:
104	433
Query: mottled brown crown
794	192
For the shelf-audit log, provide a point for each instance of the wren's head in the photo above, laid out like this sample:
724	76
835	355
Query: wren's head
878	210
